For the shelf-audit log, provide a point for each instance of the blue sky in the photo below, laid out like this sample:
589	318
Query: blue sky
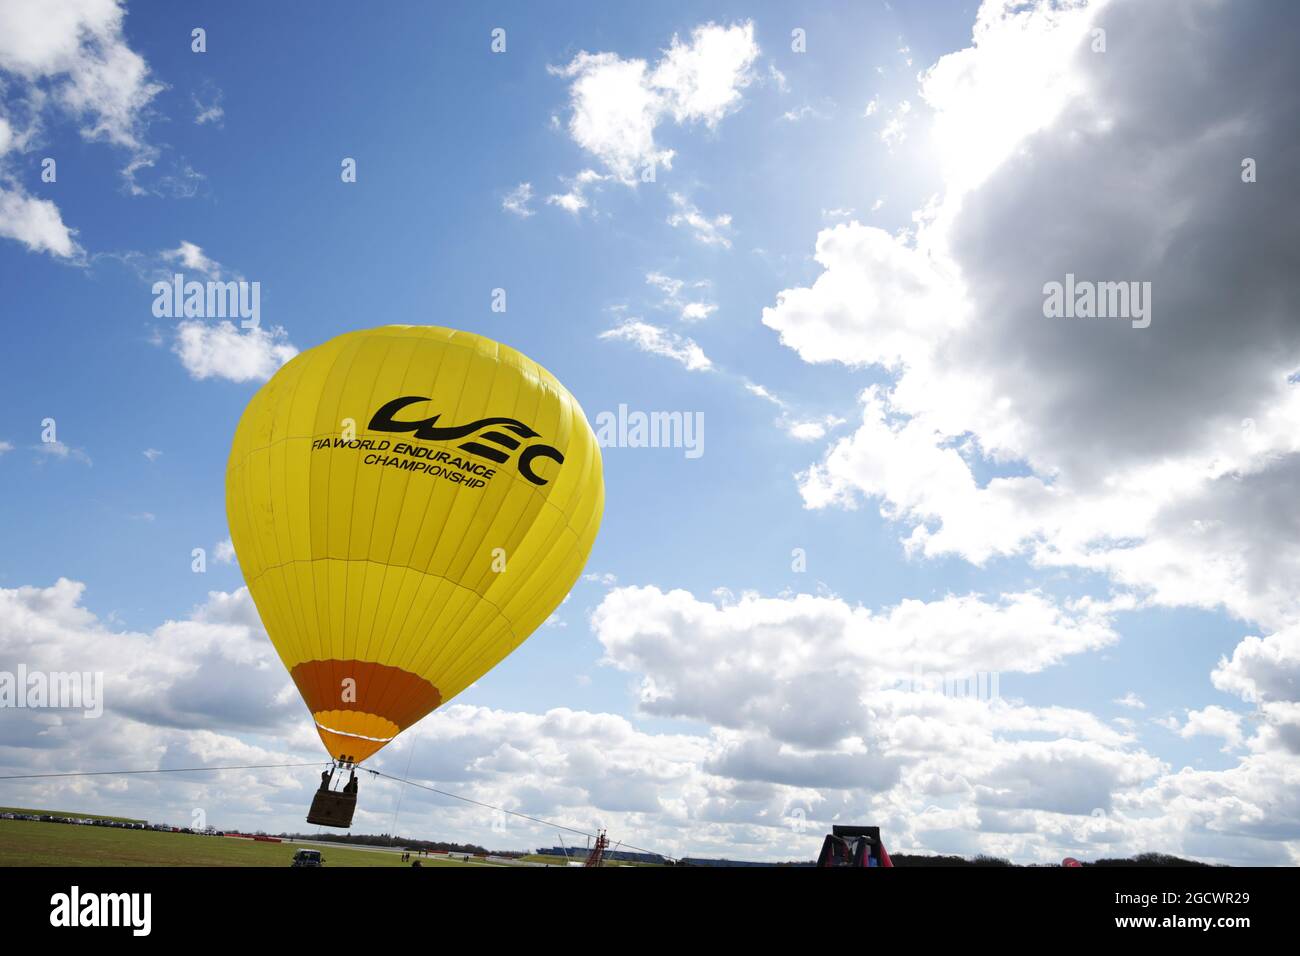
840	268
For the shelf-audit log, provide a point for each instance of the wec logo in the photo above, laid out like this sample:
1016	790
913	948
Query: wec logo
428	429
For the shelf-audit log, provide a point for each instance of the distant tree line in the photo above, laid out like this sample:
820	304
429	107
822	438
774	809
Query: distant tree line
1142	859
384	839
899	859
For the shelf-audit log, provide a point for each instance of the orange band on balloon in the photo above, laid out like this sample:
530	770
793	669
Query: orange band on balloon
396	696
352	735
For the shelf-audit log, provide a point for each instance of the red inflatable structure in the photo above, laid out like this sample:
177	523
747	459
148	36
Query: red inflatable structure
854	846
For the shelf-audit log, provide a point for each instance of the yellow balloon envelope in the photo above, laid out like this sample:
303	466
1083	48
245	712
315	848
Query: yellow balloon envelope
408	504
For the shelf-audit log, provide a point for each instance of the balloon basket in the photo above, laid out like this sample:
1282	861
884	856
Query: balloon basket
332	808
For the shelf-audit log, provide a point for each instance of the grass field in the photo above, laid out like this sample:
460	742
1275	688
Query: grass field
24	843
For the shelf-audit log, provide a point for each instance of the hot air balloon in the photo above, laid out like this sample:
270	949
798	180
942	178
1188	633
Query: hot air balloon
407	504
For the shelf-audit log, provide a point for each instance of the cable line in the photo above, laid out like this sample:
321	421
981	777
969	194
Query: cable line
514	813
317	763
108	773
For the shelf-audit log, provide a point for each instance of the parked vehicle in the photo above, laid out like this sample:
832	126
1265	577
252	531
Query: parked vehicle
308	858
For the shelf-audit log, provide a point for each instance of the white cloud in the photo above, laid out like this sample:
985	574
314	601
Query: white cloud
765	662
895	130
817	700
1263	669
210	111
806	431
77	52
845	707
210	689
697	311
572	202
657	341
1025	64
812	429
58	451
798	427
1265	672
688	310
1119	465
215	666
516	201
176	695
702	80
193	258
614	113
670	287
152	454
802	113
1033	783
72	58
215	348
1214	721
1131	700
1248	815
575	200
221	350
1108	452
711	232
764	393
877	301
36	223
225	551
617	104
